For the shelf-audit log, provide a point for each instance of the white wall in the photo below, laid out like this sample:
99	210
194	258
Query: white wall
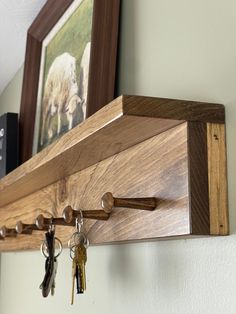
180	49
11	96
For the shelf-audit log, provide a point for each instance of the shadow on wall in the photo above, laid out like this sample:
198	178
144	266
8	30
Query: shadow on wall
231	157
129	269
128	27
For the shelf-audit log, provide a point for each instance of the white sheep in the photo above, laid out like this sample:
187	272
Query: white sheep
60	87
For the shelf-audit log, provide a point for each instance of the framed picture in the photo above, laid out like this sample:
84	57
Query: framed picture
70	69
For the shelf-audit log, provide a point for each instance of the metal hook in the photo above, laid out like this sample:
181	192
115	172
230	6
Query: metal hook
51	226
79	221
42	222
23	228
76	237
109	202
69	214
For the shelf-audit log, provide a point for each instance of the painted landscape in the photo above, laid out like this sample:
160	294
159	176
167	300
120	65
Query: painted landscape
65	80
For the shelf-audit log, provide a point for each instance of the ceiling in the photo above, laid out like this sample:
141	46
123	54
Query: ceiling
15	18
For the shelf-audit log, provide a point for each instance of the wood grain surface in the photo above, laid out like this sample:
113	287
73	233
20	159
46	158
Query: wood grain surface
126	121
198	178
157	167
104	134
218	196
178	109
175	154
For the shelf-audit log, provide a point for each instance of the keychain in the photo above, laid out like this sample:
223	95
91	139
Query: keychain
48	251
78	245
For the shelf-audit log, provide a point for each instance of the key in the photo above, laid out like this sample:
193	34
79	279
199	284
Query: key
78	283
74	266
78	270
46	266
54	276
42	286
82	259
75	274
48	283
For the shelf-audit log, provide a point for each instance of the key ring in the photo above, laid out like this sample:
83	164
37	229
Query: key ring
44	248
79	222
73	242
76	237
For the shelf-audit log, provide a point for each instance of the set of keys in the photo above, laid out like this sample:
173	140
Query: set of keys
48	250
78	245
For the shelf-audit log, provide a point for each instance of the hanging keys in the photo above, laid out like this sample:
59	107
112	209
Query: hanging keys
48	250
78	245
82	259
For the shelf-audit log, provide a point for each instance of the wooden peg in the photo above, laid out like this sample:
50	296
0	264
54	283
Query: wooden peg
108	202
42	222
7	232
22	228
70	214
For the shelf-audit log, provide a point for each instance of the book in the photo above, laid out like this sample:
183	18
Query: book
9	155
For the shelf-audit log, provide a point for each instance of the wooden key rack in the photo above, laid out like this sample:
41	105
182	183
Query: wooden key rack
140	168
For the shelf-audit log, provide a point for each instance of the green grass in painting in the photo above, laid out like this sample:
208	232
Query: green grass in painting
72	37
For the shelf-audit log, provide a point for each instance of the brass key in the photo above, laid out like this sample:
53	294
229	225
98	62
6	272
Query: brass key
78	245
82	259
74	275
78	270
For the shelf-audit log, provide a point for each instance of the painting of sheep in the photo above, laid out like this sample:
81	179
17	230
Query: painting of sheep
63	100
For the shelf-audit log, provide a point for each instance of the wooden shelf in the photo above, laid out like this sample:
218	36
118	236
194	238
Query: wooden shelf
124	148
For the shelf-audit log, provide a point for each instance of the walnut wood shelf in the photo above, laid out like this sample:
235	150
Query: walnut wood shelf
135	146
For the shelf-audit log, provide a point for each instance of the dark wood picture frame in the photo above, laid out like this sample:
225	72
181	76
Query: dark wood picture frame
102	70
